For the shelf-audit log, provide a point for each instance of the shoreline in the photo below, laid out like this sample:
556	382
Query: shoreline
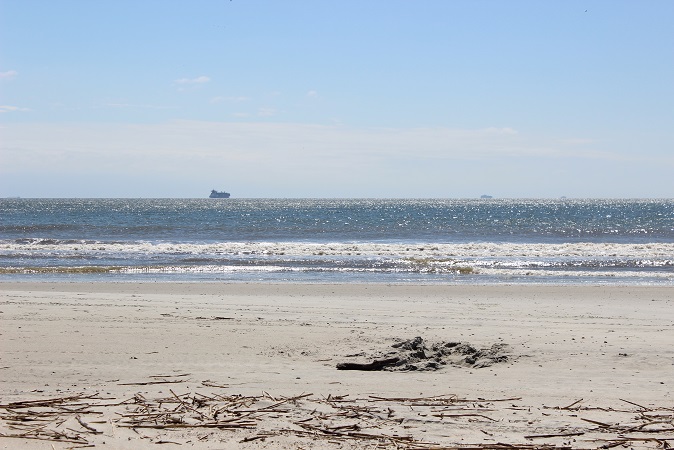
602	344
80	284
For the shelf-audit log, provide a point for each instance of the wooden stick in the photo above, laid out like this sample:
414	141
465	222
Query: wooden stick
87	426
257	436
58	438
211	384
451	397
271	407
442	416
572	404
169	376
197	425
49	401
640	427
635	404
151	382
601	424
535	436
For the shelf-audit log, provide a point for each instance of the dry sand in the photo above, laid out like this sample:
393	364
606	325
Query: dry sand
206	365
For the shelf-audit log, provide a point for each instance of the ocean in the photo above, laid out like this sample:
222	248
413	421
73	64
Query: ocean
475	241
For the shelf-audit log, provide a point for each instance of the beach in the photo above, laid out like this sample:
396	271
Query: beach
576	366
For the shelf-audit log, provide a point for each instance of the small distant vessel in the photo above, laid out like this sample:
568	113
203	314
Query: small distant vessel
216	194
486	196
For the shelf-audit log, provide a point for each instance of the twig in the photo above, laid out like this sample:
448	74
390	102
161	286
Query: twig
71	440
257	436
87	426
49	401
271	407
635	404
601	424
536	436
209	383
442	416
186	405
146	383
190	425
572	404
169	376
655	422
412	399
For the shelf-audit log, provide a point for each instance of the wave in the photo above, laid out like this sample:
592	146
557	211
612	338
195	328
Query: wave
478	261
341	249
430	274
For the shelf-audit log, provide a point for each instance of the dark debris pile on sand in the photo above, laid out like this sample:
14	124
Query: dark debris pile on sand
416	354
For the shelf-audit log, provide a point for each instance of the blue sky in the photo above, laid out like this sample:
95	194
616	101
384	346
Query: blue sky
378	98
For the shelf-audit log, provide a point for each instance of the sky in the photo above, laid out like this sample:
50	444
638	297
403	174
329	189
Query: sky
349	98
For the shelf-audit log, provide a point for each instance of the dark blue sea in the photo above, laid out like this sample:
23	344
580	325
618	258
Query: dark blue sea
479	241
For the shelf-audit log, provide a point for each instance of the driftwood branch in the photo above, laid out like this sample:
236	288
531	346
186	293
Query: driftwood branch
377	364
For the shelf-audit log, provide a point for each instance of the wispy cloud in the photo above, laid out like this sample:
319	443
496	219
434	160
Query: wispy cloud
9	75
8	108
137	106
235	99
312	94
505	130
266	112
313	145
266	154
198	80
578	141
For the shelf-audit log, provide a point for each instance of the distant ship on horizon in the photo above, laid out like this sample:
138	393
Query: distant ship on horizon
216	194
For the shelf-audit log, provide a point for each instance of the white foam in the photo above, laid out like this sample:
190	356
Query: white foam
477	250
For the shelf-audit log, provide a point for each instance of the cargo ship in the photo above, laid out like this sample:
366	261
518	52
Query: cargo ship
216	194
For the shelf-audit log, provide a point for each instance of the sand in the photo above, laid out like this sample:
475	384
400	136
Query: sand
136	365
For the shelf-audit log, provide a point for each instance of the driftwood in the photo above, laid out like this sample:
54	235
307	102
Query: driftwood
374	365
373	422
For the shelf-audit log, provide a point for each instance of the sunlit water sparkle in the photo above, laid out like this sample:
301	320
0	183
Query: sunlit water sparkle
332	240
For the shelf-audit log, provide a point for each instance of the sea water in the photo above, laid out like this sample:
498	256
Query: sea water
479	241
